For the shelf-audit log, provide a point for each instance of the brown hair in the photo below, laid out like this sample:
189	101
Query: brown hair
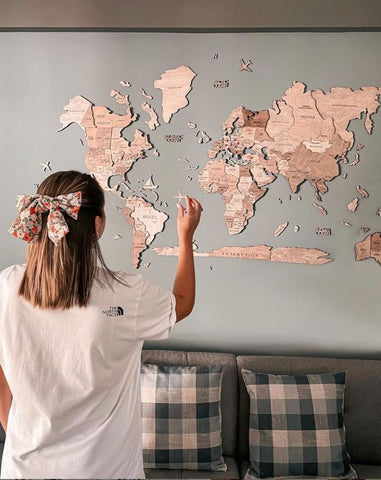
61	276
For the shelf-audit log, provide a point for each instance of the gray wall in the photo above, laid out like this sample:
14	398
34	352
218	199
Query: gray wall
242	306
190	14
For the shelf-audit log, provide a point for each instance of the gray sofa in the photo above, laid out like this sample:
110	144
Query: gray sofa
362	406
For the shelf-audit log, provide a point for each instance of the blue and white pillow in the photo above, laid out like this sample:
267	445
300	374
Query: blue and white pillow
297	426
181	414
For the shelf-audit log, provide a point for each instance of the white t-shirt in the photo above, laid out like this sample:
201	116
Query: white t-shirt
75	379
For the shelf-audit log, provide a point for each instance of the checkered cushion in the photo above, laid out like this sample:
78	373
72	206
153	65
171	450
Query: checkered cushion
297	425
182	417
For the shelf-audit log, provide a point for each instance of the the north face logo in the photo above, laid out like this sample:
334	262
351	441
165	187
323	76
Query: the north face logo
113	312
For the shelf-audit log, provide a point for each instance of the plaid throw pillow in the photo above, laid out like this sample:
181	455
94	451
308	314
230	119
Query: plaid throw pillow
296	425
182	417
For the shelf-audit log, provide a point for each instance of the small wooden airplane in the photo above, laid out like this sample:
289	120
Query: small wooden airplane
245	65
46	166
180	197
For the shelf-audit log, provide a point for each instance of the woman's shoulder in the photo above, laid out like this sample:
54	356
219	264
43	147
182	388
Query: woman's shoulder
12	270
12	274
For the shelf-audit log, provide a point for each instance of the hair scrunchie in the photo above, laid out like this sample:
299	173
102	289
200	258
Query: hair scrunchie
28	224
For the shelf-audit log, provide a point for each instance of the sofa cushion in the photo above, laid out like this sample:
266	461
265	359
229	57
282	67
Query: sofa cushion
245	465
361	407
163	473
229	388
182	417
368	471
296	425
232	472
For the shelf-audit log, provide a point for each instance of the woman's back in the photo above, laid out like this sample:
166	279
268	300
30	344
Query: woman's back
71	334
74	375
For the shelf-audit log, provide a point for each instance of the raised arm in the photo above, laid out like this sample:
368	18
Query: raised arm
185	283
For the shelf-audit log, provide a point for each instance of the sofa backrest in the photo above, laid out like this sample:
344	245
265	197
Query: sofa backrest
229	389
362	399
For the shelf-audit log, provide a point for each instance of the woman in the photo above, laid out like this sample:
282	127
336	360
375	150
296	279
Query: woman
71	334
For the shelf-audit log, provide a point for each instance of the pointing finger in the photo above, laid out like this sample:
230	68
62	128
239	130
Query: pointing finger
180	213
188	202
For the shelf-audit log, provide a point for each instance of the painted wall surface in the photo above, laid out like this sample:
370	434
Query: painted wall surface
241	306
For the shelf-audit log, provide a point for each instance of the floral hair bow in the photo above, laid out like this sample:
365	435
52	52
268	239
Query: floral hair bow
27	225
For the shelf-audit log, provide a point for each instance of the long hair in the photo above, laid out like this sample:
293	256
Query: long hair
60	277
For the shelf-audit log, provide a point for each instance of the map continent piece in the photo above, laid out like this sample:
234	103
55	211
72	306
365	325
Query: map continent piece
146	223
79	110
175	85
238	189
370	247
302	137
109	153
312	256
343	104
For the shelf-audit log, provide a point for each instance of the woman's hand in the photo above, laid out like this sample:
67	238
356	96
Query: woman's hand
187	221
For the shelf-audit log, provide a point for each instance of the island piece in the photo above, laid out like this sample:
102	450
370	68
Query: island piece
370	247
175	85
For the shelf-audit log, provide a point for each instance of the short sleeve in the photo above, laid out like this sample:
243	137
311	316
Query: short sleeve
156	312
